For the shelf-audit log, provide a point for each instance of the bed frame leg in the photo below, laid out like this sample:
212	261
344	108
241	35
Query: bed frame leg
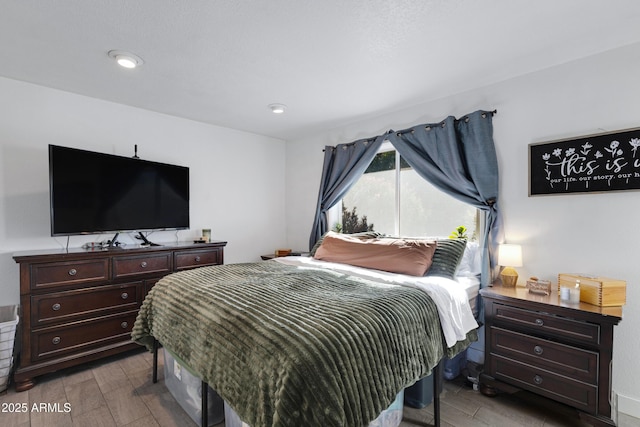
205	404
155	360
437	381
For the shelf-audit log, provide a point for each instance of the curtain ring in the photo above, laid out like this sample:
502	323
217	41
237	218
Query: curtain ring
427	127
484	115
443	124
466	119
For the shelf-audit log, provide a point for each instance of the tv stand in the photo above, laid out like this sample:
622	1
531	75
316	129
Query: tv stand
145	241
113	242
79	306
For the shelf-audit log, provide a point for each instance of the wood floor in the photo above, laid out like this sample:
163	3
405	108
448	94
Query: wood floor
119	392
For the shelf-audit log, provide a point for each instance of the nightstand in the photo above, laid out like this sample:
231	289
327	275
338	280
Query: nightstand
559	350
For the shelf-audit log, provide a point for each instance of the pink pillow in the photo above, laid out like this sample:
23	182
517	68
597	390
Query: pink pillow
411	257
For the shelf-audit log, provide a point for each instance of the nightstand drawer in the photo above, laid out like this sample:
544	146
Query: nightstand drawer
545	324
560	388
81	336
191	259
562	359
70	273
83	303
141	265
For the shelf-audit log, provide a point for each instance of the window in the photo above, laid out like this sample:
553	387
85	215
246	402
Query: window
391	198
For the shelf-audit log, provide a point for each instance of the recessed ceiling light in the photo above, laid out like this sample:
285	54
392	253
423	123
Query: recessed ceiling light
126	59
277	108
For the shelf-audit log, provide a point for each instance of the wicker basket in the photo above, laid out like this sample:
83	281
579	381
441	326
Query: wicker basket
8	322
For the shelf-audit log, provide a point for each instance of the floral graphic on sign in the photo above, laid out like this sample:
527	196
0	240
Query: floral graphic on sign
635	143
613	149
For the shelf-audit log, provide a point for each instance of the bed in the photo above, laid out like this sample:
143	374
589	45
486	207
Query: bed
304	341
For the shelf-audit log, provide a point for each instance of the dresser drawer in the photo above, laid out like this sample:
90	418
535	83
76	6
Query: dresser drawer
560	388
549	325
562	359
69	273
149	284
141	265
82	303
190	259
80	336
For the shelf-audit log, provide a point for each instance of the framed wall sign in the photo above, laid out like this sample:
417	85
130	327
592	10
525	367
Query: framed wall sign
602	162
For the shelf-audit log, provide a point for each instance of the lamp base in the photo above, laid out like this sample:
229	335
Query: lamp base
509	277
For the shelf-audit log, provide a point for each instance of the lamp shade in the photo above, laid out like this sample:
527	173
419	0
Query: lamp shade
510	255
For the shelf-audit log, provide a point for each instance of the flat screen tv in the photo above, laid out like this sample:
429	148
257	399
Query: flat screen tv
95	193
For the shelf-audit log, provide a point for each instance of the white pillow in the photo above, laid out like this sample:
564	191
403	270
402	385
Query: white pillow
471	263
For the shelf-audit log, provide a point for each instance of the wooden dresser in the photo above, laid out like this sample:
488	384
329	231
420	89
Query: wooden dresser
559	350
80	305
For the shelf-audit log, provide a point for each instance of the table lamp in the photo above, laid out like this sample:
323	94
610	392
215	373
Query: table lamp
509	256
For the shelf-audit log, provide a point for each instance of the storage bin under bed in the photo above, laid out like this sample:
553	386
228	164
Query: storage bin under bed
390	417
186	388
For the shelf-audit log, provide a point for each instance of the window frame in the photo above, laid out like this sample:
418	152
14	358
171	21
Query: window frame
334	214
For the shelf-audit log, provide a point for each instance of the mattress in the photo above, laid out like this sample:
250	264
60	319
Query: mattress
468	277
471	285
455	299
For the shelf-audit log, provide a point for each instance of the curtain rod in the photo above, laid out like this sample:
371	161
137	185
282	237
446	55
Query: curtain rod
401	132
428	126
366	141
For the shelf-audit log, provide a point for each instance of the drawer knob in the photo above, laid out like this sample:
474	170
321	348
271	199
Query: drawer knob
56	307
124	295
124	325
56	340
538	350
197	259
537	379
73	272
143	264
539	322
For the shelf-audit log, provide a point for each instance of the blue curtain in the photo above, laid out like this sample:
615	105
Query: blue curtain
459	157
343	165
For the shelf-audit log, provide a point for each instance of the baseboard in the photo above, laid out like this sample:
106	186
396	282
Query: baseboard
628	405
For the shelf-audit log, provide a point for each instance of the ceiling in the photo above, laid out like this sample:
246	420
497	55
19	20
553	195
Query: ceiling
332	62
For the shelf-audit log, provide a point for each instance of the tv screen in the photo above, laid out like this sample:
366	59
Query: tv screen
93	193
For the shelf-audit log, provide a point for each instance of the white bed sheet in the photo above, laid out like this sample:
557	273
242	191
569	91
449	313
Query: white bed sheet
471	285
450	296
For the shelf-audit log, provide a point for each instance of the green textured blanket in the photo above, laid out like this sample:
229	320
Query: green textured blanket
288	346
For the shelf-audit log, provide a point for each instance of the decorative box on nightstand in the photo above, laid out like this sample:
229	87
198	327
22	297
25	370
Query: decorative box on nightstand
559	350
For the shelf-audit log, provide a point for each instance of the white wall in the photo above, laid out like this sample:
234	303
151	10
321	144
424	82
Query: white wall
592	233
236	178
